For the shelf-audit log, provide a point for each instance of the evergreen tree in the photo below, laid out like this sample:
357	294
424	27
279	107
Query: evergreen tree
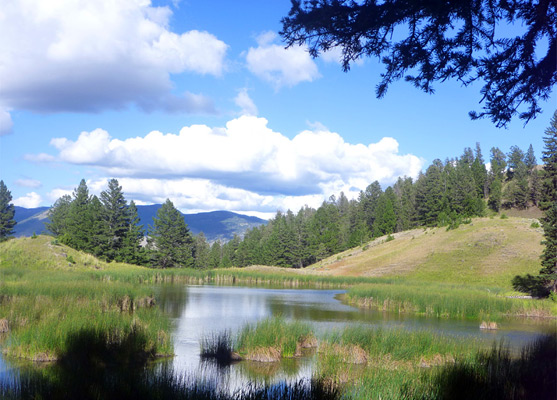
406	193
171	239
131	250
479	172
495	196
385	222
115	216
215	255
498	163
201	251
98	234
431	194
58	216
7	213
462	191
515	161
369	202
79	220
530	159
549	205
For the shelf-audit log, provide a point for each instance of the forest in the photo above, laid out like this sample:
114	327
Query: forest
449	193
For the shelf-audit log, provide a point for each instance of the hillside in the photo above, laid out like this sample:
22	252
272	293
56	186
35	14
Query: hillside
216	225
485	252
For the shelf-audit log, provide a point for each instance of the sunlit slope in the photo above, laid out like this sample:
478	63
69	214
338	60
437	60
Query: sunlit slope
486	251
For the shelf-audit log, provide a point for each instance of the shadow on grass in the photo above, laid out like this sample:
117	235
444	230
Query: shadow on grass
497	375
102	366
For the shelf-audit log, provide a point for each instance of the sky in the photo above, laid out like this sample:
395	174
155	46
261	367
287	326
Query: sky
200	102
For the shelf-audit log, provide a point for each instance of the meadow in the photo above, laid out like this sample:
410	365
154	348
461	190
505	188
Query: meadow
61	305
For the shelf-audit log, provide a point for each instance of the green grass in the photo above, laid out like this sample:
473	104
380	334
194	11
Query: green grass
420	365
402	345
445	300
47	299
274	333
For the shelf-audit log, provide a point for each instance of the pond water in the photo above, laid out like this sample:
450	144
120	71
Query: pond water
199	311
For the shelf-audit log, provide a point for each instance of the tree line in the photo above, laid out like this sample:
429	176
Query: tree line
447	194
109	228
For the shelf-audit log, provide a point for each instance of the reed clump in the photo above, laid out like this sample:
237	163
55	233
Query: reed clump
270	339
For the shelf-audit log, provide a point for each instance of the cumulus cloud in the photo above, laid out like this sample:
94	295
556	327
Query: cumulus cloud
244	164
30	200
55	194
245	103
279	66
87	56
30	183
334	55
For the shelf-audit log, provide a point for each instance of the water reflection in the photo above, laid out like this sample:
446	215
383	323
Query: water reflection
198	311
208	309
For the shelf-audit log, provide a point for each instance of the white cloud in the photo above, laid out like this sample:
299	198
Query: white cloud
55	194
6	123
39	158
242	166
245	102
279	66
81	55
30	183
30	200
334	55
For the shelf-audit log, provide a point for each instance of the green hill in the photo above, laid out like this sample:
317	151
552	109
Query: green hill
488	251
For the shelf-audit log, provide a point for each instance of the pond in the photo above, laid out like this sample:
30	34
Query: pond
199	311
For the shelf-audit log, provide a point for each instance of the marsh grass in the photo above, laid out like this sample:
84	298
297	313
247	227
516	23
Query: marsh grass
219	347
444	300
275	336
496	374
419	365
46	300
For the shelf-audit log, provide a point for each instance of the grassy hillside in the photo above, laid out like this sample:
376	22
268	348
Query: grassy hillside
486	252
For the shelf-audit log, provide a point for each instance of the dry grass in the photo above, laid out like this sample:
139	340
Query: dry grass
487	251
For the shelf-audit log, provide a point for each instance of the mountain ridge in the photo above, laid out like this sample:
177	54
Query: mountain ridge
215	225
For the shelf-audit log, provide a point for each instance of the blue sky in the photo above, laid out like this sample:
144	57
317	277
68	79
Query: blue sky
199	102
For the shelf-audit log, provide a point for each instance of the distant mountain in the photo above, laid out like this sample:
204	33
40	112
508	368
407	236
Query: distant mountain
30	220
216	225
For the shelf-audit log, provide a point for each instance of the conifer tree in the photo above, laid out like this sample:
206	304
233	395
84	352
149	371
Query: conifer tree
215	255
7	213
115	216
201	251
58	216
431	194
171	239
530	159
549	205
79	220
498	163
385	222
131	250
495	196
479	172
